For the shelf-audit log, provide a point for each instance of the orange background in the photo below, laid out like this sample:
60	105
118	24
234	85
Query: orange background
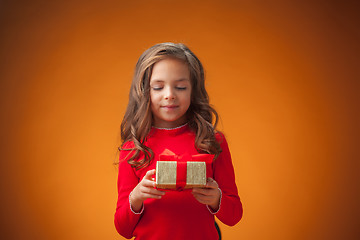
283	75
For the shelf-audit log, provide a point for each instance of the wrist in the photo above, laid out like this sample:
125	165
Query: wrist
136	205
215	207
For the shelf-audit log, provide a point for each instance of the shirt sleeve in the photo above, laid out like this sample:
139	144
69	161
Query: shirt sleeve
230	210
125	219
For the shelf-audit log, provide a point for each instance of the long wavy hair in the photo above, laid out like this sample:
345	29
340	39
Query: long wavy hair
137	121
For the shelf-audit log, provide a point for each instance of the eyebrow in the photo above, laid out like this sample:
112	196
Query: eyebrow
179	80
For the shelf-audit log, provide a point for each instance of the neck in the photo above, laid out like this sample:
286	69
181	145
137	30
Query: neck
160	123
171	128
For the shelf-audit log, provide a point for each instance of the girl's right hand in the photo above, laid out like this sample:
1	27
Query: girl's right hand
144	190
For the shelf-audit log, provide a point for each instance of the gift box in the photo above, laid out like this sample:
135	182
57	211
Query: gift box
182	172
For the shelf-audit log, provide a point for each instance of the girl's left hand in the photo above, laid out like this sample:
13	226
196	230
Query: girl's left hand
209	195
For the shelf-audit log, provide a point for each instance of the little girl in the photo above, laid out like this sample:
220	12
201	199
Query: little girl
169	109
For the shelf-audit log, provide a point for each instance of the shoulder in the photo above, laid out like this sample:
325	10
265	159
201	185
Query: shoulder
220	137
127	150
128	145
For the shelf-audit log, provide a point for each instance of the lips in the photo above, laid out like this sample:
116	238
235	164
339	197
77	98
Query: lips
170	106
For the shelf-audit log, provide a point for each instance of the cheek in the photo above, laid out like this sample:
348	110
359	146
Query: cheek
155	99
189	97
152	98
186	100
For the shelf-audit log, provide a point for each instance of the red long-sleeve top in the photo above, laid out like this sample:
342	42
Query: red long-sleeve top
177	215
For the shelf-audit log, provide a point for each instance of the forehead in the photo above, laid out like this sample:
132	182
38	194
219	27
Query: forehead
170	69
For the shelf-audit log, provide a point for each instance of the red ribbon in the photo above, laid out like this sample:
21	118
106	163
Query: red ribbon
181	164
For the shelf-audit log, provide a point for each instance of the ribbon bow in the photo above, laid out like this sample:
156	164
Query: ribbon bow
181	167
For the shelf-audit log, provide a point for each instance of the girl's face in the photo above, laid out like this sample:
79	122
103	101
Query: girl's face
170	92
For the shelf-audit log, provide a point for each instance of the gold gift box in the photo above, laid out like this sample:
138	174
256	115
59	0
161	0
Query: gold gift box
166	174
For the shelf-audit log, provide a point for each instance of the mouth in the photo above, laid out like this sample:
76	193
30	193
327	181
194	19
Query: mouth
170	106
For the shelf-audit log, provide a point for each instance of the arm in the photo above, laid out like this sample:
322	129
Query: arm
221	195
230	210
125	219
131	195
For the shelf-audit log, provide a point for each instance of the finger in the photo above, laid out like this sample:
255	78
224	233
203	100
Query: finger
148	195
149	174
205	191
211	183
203	199
151	191
199	190
211	195
202	191
148	183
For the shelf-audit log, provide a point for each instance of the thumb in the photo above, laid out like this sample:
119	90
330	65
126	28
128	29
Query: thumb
211	183
149	174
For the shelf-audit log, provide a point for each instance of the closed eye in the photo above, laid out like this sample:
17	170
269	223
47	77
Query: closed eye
181	88
157	88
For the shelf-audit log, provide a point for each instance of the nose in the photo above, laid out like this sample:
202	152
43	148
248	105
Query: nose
169	94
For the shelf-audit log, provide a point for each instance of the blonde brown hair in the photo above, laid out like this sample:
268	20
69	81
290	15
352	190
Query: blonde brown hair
137	121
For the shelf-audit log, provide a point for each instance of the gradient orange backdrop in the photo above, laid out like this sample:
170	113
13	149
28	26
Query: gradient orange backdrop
283	75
